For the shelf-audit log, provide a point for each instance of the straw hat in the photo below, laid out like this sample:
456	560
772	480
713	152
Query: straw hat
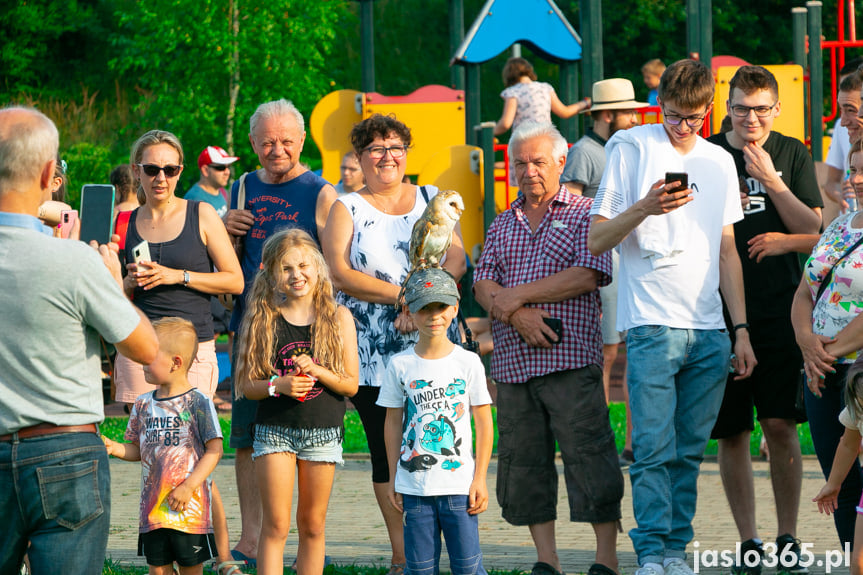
614	94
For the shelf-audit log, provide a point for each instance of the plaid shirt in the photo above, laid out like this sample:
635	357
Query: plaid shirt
514	255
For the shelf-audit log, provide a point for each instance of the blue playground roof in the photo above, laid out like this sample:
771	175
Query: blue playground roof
539	24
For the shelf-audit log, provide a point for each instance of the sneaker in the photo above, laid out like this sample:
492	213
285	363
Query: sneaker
650	569
676	566
749	567
784	544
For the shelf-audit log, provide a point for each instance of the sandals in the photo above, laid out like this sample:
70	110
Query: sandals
600	569
543	568
230	568
397	569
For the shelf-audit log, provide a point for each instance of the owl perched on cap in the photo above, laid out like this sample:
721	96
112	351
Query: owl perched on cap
432	233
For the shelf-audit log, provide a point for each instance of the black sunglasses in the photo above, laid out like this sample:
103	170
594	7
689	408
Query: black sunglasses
219	167
153	170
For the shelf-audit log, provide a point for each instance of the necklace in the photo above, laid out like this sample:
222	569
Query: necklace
380	206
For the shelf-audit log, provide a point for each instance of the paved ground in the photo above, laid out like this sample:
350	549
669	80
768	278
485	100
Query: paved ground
355	531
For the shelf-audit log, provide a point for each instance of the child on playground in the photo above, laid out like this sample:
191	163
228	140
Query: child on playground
651	72
846	452
174	431
429	392
298	356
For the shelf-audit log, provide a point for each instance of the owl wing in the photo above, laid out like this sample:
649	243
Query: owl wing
422	229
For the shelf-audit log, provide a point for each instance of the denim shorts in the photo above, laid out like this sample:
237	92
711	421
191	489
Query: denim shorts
425	519
320	444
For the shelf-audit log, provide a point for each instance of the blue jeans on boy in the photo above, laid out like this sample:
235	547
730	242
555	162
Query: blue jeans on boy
425	519
676	380
55	492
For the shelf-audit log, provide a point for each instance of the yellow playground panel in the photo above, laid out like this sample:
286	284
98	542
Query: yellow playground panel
435	115
791	94
459	168
330	124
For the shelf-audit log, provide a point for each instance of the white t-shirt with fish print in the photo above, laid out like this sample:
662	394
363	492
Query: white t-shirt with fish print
436	456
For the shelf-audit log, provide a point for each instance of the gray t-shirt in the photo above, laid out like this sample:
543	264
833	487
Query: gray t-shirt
57	296
585	164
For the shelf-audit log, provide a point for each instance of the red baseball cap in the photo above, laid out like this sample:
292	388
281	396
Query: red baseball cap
215	155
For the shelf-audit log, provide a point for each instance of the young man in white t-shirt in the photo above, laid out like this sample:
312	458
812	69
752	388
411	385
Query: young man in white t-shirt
677	252
430	391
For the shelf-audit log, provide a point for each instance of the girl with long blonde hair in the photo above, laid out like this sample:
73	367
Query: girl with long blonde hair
298	356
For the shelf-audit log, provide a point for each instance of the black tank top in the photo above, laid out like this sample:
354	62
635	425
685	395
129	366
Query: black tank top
322	407
185	252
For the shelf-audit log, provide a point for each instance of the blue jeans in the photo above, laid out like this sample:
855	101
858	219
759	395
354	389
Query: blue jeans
55	493
823	415
425	519
676	380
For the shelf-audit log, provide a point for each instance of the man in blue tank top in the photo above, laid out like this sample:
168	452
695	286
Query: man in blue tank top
280	194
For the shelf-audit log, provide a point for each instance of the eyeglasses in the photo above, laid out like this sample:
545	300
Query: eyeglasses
691	121
153	170
378	152
760	111
219	167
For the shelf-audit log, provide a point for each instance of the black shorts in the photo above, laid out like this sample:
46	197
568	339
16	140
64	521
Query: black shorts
566	407
373	417
164	546
772	390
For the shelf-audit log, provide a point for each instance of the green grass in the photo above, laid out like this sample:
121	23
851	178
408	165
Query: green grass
355	437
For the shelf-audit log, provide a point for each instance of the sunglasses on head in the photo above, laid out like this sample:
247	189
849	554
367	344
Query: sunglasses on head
219	167
153	170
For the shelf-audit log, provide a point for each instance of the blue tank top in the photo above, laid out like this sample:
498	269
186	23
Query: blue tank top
275	207
185	252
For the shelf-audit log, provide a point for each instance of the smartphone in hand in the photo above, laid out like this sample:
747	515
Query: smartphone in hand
556	325
97	213
141	253
67	220
681	177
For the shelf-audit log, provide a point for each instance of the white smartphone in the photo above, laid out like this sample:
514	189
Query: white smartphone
141	252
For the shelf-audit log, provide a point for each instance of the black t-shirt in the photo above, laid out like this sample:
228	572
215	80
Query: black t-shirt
769	286
321	408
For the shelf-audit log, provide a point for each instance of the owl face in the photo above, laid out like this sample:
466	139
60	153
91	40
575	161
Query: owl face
449	204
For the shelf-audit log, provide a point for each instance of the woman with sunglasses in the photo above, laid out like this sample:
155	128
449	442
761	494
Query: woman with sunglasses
365	243
190	258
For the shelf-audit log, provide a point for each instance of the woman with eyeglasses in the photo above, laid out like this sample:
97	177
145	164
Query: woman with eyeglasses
190	257
366	246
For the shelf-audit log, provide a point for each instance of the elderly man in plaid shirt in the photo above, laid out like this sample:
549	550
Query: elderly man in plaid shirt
540	284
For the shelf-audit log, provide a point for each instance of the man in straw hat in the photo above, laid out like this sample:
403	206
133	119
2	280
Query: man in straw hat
614	108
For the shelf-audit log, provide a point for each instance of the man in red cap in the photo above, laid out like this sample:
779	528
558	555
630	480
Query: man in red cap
214	163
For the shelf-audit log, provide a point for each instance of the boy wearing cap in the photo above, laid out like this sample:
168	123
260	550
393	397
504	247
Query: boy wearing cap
214	165
428	391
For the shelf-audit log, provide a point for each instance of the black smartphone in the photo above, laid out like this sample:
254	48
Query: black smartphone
556	325
681	177
97	213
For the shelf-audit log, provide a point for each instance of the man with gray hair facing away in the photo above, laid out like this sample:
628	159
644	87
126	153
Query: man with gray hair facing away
539	283
283	193
58	296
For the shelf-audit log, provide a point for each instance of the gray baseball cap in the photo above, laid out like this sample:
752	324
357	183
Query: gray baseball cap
430	285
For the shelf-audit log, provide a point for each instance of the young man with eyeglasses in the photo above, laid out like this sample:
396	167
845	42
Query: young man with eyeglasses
677	253
214	164
783	198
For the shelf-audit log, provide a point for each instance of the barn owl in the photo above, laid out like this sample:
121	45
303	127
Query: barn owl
432	233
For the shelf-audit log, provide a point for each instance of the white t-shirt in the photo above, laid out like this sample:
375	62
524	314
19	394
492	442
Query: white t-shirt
840	145
436	455
669	265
